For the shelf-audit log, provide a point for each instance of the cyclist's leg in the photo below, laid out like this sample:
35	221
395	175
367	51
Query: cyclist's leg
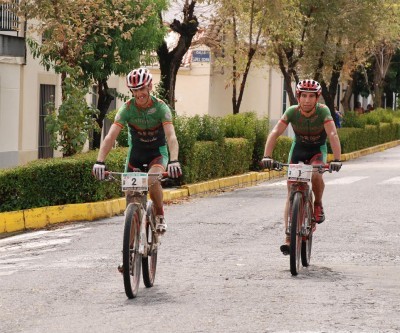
285	248
155	189
158	165
318	185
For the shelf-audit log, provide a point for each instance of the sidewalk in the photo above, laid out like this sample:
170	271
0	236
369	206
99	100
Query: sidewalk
45	216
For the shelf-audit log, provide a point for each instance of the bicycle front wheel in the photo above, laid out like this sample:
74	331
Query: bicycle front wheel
308	236
296	221
131	259
149	263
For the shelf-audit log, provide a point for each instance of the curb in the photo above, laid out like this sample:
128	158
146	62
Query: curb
37	218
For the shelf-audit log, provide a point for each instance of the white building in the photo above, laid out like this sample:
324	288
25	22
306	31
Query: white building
25	87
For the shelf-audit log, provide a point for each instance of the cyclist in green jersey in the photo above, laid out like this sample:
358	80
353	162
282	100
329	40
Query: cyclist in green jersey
150	129
312	124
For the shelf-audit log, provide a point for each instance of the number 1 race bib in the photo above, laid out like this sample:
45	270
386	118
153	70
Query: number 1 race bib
300	172
134	181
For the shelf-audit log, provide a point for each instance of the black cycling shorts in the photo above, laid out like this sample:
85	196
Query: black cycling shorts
307	154
138	159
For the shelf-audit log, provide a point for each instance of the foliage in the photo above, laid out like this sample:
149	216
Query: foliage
99	37
122	139
244	22
282	149
324	40
352	119
247	125
380	116
91	40
170	58
57	181
205	162
376	117
201	161
353	139
69	125
211	128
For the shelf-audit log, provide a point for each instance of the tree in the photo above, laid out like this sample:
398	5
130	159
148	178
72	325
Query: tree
93	39
322	40
170	60
244	22
70	123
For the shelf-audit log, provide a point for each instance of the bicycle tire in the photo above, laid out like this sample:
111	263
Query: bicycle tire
306	245
149	263
295	232
131	259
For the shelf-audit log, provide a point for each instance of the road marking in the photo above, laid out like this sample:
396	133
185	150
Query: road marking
22	251
344	180
280	183
395	180
336	181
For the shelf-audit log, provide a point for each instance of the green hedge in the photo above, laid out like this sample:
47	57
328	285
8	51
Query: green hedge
211	159
352	139
210	147
57	181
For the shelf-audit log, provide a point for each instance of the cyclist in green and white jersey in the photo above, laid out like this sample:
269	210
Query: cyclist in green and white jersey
150	129
312	124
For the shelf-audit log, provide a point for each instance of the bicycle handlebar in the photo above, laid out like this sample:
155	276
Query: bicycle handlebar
321	168
162	174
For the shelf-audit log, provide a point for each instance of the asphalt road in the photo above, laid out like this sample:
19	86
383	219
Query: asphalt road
220	268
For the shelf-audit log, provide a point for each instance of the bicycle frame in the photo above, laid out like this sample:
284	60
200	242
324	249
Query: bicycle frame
300	223
141	240
139	198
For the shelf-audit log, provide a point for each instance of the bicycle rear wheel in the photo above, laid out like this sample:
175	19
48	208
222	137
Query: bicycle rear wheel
308	237
149	263
296	221
131	259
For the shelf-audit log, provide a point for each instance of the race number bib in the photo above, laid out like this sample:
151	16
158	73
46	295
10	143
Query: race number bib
134	181
300	172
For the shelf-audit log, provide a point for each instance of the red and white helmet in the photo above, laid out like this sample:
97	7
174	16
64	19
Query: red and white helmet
138	78
308	86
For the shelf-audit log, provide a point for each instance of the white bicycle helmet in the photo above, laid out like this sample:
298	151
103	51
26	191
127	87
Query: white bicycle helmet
138	78
308	86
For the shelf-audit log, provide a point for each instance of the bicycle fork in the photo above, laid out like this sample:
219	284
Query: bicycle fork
143	237
146	238
305	226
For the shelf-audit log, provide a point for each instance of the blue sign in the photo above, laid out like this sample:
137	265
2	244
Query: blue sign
200	56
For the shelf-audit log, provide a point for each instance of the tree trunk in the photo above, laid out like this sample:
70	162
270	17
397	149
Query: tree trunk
170	61
103	104
345	101
329	94
287	75
383	57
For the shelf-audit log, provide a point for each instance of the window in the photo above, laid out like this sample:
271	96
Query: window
47	93
8	20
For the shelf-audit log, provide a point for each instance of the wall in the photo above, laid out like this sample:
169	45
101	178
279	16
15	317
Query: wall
10	113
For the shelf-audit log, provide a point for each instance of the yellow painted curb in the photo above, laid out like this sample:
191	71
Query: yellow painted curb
42	217
12	221
174	194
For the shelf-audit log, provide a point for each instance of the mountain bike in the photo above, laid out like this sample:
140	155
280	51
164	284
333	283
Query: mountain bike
301	223
141	241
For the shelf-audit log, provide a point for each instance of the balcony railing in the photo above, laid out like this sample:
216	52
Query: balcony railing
8	19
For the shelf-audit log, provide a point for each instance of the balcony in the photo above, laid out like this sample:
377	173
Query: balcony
12	46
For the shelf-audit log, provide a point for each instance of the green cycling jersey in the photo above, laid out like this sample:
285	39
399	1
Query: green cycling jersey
309	131
145	126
